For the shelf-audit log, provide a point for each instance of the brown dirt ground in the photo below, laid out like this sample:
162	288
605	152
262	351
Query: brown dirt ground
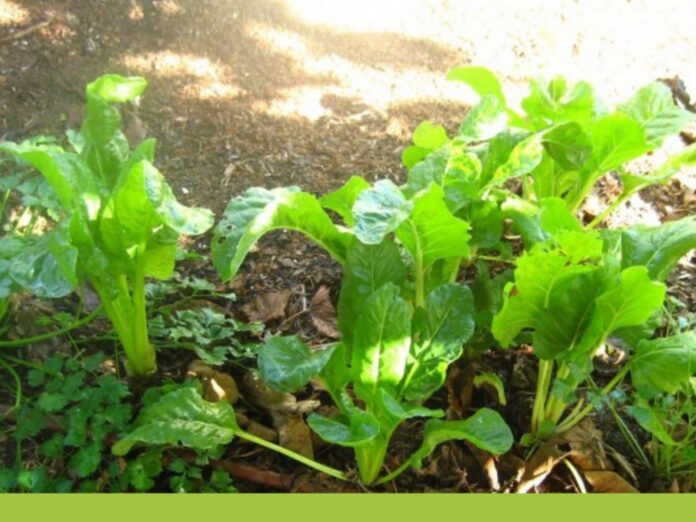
267	92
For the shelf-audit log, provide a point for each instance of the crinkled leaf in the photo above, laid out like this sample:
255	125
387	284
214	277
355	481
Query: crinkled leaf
182	417
523	159
257	211
287	363
553	103
342	200
117	89
367	268
663	365
440	330
658	248
381	342
47	267
485	429
654	107
484	121
432	232
356	429
378	211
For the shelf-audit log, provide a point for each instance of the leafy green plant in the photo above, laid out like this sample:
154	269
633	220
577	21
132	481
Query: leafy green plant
394	361
573	291
120	221
69	418
560	145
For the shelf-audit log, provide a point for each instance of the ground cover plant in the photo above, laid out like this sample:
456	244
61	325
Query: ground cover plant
484	247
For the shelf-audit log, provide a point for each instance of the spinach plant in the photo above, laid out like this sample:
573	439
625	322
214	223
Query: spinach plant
564	140
120	220
394	361
573	289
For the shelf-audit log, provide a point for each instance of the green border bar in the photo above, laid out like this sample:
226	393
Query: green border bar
346	508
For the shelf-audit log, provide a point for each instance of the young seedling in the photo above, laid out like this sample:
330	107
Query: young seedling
120	220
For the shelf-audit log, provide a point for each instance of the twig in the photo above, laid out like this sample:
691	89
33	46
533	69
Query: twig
25	32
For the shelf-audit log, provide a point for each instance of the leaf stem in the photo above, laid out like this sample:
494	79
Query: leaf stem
38	338
291	454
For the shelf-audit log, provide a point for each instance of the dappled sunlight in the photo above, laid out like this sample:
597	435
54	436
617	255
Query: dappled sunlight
12	13
209	80
378	88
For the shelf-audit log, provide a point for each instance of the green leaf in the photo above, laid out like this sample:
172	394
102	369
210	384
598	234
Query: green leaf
342	200
659	248
257	211
616	139
413	155
381	342
631	302
182	417
569	145
440	330
484	121
480	79
485	429
117	89
356	429
47	266
378	211
654	108
52	402
367	268
663	365
523	159
429	136
432	232
287	363
86	460
651	420
553	103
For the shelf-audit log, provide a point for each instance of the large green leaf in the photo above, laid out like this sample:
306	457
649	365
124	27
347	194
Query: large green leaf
484	121
485	429
654	107
658	248
432	232
652	420
480	79
182	417
287	363
616	139
429	136
439	331
381	343
117	89
356	429
46	266
569	145
378	211
663	365
342	200
367	268
257	211
65	172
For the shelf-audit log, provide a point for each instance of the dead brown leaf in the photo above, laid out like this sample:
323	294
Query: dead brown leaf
586	446
608	482
293	433
539	466
460	387
268	306
323	314
217	386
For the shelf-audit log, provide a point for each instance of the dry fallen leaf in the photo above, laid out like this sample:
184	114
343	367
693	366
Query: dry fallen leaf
266	307
608	482
586	446
323	314
217	386
539	466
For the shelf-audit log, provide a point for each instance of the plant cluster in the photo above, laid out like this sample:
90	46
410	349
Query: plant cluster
416	294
